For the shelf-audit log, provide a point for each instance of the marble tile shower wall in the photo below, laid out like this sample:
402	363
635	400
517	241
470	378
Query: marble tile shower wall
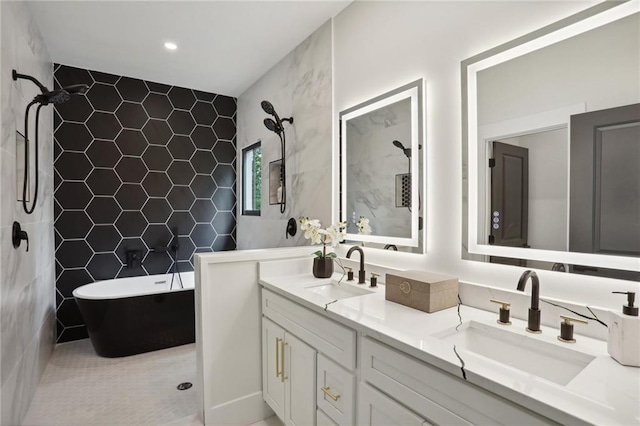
136	161
299	86
27	310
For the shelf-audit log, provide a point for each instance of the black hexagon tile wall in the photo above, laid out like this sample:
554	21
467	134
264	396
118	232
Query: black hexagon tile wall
133	161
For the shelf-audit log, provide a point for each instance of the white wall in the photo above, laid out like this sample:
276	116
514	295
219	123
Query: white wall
382	45
299	86
564	74
27	288
548	189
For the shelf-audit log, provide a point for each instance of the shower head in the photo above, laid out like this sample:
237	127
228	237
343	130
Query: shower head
275	124
268	108
76	89
406	151
60	96
272	125
52	96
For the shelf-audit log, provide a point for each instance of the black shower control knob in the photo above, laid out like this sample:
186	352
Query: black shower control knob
18	235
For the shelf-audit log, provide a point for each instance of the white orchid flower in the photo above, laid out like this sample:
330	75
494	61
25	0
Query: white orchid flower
313	231
363	226
316	238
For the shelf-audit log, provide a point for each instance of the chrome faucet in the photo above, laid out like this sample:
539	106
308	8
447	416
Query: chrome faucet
361	273
533	325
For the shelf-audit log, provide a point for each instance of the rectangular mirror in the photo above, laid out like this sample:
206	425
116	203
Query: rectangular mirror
551	147
381	170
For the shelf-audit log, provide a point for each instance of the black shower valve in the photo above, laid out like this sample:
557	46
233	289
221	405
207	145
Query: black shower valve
134	258
17	235
292	228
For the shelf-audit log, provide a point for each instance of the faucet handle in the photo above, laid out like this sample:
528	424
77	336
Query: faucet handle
349	273
504	311
505	305
374	279
566	328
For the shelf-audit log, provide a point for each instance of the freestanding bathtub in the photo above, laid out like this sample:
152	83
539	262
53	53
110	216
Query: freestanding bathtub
128	316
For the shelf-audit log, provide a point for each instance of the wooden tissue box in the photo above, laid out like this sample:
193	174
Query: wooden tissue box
422	290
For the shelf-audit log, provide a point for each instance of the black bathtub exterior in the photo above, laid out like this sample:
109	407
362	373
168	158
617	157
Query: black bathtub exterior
138	324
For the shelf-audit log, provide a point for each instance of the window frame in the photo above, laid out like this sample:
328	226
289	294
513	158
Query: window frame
249	148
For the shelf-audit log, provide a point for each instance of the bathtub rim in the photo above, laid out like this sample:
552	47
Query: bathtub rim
109	289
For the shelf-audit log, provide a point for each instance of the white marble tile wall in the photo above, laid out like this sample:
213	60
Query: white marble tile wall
27	298
372	165
300	86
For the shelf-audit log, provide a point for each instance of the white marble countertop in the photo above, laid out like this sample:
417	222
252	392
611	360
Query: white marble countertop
604	393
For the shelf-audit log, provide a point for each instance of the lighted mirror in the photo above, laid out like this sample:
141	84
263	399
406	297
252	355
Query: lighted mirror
551	147
382	158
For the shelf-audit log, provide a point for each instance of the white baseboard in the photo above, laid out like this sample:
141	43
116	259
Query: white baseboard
243	411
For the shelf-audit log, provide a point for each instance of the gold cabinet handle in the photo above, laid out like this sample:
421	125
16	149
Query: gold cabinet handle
282	376
327	391
278	356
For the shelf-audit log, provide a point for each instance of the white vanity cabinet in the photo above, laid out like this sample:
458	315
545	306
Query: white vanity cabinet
308	364
439	397
310	376
288	375
337	391
377	409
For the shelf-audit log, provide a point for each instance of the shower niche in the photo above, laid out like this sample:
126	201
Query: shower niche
21	193
275	182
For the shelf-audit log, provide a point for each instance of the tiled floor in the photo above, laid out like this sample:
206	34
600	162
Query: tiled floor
271	421
79	388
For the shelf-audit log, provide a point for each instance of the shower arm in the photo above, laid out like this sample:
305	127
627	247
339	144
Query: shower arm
16	75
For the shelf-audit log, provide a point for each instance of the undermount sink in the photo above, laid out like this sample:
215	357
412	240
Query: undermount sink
336	291
543	359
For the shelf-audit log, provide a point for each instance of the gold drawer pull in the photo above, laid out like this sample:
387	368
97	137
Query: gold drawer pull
327	391
282	376
278	357
405	287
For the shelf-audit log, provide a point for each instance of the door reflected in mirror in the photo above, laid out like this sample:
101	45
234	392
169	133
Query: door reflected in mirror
382	170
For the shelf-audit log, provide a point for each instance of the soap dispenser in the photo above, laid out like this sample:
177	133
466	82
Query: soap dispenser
624	333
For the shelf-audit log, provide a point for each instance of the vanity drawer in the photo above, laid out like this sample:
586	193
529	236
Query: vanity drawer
323	420
332	339
437	396
336	391
377	409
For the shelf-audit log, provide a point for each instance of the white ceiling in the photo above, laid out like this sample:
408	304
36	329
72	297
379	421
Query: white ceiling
223	46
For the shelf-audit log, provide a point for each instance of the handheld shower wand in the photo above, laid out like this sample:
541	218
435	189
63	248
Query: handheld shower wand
275	125
46	97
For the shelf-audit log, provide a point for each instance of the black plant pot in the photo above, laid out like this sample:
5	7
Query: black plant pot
322	267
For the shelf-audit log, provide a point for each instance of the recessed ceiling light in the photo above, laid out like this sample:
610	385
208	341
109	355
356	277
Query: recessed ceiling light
170	46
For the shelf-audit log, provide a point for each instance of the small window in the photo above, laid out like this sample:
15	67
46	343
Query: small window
251	180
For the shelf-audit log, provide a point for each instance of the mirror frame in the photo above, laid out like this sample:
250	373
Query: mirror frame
415	92
589	19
